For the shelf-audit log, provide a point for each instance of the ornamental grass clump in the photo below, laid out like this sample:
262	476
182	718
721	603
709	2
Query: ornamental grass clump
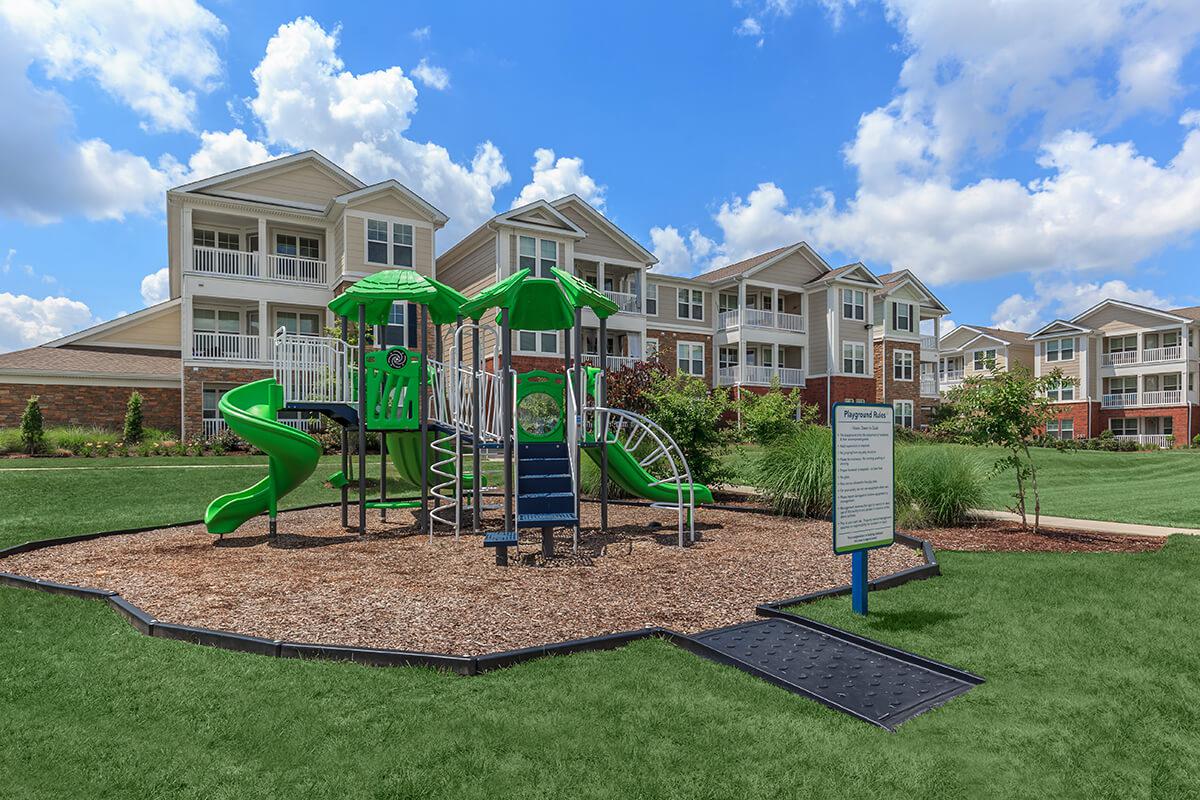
795	472
936	486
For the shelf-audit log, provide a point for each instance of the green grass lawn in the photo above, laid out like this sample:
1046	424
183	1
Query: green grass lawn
1155	487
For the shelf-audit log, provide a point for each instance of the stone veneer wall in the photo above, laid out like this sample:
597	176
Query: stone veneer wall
104	406
889	390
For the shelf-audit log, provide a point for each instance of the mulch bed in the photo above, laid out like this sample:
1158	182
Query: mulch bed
392	588
1001	536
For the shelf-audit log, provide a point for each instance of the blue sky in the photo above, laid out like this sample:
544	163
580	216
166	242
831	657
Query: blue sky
1025	160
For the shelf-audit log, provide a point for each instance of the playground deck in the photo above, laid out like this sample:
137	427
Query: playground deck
392	588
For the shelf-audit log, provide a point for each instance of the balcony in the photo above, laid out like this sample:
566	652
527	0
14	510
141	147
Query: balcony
1171	397
215	426
612	363
951	376
225	346
759	376
626	301
1163	441
1154	355
929	343
757	318
929	386
245	264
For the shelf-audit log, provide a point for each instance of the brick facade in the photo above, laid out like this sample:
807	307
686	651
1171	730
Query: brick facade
1078	414
844	387
103	406
668	342
194	381
1177	414
888	389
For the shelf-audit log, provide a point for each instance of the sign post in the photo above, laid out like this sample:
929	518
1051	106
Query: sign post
864	487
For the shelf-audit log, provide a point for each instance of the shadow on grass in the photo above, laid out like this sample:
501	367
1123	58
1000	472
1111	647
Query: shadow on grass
914	620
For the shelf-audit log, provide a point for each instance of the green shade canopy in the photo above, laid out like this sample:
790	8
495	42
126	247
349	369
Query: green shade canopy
540	304
379	291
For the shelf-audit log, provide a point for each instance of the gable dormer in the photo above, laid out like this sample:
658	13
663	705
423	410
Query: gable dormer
304	180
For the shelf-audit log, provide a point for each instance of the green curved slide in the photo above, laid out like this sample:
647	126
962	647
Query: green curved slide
251	411
404	450
625	471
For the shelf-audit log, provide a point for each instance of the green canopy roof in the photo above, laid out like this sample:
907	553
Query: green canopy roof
539	304
379	291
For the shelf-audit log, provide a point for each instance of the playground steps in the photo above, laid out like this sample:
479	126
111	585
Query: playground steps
546	496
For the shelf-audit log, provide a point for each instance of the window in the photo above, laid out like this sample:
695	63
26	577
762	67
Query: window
652	299
1061	393
528	251
902	365
727	302
902	317
1060	349
690	357
1120	344
904	413
854	304
1061	429
252	323
377	236
208	320
252	242
228	241
529	341
1125	385
212	396
402	245
203	238
691	304
854	358
985	359
298	322
651	347
1123	427
396	330
1168	426
288	244
727	357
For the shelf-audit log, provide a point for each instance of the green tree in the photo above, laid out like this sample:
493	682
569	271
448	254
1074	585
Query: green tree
1009	409
767	416
33	434
692	415
133	419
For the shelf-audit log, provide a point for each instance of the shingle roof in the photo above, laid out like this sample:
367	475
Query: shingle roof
79	359
1012	337
1191	312
733	270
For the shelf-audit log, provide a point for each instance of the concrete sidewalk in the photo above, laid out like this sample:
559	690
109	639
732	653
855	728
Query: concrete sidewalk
1088	525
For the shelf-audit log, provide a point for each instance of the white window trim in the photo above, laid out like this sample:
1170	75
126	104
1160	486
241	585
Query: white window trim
274	312
911	415
854	304
995	359
703	358
651	289
388	241
911	309
860	346
897	358
538	351
537	254
1058	357
690	303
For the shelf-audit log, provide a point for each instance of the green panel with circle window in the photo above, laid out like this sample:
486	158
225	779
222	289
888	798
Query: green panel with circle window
541	402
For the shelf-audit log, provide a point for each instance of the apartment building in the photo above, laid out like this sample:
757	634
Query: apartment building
907	327
249	252
1135	372
971	350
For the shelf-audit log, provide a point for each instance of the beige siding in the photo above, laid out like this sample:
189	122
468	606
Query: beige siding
818	332
477	267
391	204
969	358
157	330
512	253
423	250
668	307
174	231
539	217
356	256
957	338
1115	318
795	270
305	183
599	243
1023	354
1069	368
339	246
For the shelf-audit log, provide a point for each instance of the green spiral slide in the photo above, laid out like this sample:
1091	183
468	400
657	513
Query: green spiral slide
625	471
251	411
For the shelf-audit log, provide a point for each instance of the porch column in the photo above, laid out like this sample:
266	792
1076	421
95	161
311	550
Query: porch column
185	314
262	256
264	332
775	365
600	276
741	309
642	294
741	365
775	310
188	239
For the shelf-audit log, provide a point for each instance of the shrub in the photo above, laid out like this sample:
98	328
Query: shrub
795	472
33	437
691	415
75	438
133	419
767	416
936	486
10	440
629	387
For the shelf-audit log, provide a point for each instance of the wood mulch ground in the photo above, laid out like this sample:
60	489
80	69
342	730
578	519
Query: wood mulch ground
1003	536
391	588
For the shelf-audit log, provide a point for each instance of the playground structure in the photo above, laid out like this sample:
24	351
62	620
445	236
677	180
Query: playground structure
456	397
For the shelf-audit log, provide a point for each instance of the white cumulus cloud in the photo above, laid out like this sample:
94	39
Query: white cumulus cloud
431	76
156	287
680	255
1062	298
27	321
556	177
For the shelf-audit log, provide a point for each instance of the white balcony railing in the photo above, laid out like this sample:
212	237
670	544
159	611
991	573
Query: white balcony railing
929	386
1153	355
746	375
1119	400
1160	440
758	318
225	262
952	376
296	269
225	346
611	363
626	301
1170	397
929	342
